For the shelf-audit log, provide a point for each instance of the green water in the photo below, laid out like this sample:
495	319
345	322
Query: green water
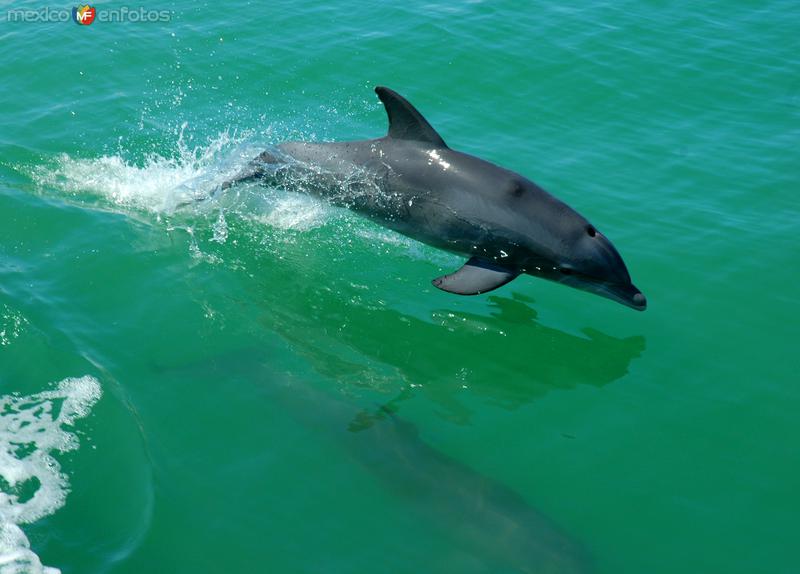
273	385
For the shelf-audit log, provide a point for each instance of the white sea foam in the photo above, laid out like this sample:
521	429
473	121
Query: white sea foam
32	485
162	184
158	184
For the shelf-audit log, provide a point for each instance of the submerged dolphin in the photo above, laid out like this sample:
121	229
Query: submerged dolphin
486	526
413	183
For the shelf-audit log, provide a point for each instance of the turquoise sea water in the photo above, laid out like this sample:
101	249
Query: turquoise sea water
264	383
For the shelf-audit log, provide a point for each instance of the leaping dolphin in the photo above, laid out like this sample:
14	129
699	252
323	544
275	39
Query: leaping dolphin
412	182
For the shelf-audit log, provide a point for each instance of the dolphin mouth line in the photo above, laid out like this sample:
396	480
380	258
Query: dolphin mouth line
626	294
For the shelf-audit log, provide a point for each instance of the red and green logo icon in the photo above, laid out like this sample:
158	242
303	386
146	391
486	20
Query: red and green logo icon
84	15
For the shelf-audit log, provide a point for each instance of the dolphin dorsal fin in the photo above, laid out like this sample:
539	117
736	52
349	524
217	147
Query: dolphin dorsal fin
405	122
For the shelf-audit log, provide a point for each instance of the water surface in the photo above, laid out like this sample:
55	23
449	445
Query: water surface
264	382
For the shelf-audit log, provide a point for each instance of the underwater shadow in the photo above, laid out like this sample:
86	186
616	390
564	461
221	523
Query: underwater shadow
506	357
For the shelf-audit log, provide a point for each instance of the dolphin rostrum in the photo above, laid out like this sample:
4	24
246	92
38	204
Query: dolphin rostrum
412	182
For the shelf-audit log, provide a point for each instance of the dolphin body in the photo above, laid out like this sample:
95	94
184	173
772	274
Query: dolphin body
412	182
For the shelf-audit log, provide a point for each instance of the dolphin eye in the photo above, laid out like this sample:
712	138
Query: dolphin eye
591	231
565	271
516	189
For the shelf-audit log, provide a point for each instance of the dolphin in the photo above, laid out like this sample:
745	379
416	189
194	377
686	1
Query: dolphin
487	526
412	182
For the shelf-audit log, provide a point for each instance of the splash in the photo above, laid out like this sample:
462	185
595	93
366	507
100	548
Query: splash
32	485
189	180
158	184
294	211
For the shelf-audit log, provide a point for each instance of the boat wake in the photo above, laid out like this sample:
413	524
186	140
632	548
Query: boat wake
32	485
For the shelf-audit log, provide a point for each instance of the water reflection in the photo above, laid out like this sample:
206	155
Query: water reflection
507	357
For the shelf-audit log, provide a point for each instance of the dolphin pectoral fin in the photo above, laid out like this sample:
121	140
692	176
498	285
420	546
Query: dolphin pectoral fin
475	277
405	122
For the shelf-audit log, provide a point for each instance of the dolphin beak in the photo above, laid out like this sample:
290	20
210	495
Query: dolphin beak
629	295
640	301
625	293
